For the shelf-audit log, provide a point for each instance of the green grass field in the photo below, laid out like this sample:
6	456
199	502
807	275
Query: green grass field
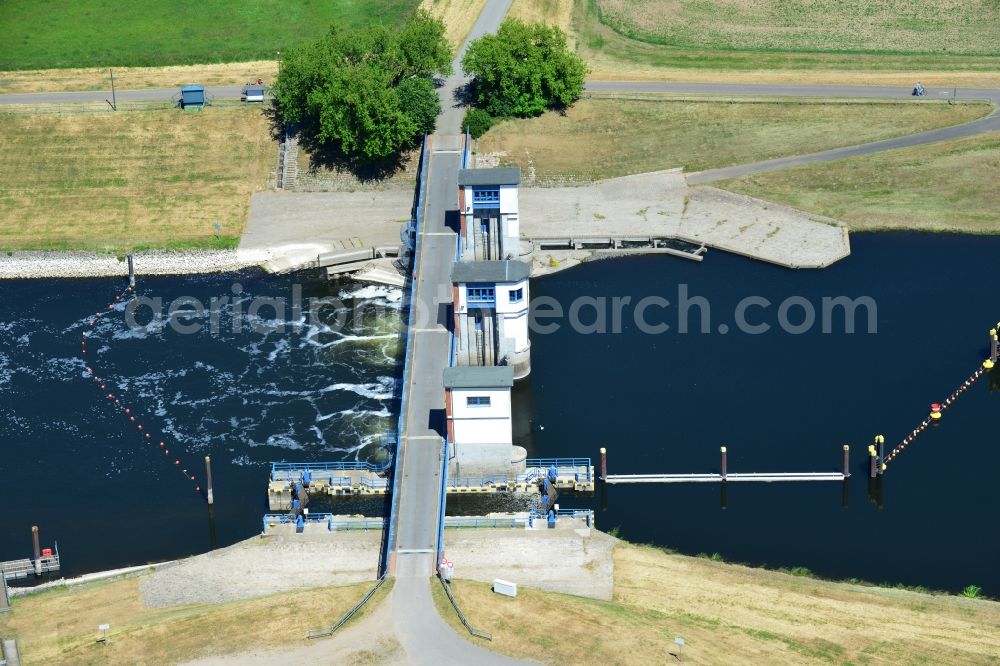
606	137
617	54
853	26
941	186
89	33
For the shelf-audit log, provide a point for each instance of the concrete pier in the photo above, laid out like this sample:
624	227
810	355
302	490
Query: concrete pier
660	204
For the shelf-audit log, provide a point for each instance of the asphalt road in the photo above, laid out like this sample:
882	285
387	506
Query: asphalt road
453	107
425	637
990	123
142	95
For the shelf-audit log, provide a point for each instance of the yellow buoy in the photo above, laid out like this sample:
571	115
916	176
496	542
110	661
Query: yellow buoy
935	415
884	466
988	364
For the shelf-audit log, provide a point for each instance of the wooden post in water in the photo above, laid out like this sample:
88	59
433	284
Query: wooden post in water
872	455
604	464
208	480
723	451
993	345
131	271
881	454
847	461
38	550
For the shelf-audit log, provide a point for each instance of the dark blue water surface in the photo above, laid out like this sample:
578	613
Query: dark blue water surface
74	465
782	402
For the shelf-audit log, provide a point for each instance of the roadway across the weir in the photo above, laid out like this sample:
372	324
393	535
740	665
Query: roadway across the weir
416	503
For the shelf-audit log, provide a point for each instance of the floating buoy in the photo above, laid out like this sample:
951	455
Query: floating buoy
162	443
935	415
935	407
988	364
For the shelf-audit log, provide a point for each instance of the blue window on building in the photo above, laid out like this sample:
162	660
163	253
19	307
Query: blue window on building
485	197
481	295
477	401
516	295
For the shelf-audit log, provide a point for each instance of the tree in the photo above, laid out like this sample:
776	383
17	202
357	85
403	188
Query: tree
365	93
523	70
478	122
421	101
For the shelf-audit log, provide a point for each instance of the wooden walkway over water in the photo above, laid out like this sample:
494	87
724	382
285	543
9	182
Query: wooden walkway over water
724	476
719	478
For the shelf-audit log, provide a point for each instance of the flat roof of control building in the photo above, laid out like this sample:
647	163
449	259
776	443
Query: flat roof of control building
504	176
479	377
496	272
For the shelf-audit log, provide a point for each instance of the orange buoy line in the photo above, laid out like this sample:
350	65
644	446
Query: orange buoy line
133	417
937	409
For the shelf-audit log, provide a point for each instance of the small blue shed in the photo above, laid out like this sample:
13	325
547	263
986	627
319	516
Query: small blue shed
192	97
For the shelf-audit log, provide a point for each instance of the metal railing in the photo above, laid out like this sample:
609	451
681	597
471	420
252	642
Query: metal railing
561	464
478	633
558	462
328	519
418	215
481	481
475	522
364	523
319	633
586	514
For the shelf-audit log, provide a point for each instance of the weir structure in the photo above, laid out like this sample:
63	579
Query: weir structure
43	561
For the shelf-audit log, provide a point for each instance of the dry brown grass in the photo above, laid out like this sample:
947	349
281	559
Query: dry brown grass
552	12
730	614
947	186
127	180
885	26
612	57
610	69
60	626
128	78
606	137
458	15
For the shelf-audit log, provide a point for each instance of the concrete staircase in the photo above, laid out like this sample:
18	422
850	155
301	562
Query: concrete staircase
290	167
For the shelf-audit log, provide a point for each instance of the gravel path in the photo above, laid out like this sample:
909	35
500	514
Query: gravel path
30	265
265	565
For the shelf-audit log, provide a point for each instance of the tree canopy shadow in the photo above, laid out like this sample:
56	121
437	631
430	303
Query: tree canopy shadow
324	156
465	94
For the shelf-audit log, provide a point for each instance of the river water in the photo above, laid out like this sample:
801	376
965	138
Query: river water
322	388
300	387
788	402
